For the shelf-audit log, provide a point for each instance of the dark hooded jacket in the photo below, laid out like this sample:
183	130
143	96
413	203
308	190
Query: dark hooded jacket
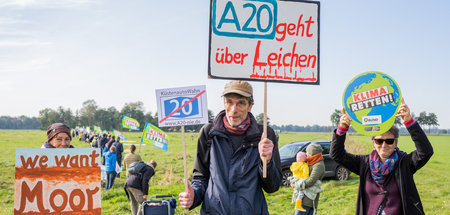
408	164
230	181
140	181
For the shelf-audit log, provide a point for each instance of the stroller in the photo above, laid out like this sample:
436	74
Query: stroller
164	206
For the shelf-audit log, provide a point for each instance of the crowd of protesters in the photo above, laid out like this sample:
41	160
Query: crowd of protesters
386	174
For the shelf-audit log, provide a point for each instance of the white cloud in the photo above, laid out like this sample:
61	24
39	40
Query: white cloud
18	67
11	21
14	33
17	43
9	26
46	3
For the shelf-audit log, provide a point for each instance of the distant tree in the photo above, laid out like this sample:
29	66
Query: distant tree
260	119
134	110
29	122
428	120
21	122
47	117
87	112
104	119
422	118
398	122
336	117
153	119
211	116
115	118
431	121
65	116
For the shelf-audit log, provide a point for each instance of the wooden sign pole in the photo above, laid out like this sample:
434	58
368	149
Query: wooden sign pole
184	162
265	128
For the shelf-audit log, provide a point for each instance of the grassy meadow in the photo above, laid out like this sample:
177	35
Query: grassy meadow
339	197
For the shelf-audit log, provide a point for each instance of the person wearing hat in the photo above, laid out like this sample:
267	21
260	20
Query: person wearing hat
228	174
386	183
58	136
316	166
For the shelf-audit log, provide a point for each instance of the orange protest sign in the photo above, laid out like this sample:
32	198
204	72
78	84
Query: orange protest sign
54	181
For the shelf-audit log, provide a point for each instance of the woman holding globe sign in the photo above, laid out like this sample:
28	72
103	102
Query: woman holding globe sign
386	183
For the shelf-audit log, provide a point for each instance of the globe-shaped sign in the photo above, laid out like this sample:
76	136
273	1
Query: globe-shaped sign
372	100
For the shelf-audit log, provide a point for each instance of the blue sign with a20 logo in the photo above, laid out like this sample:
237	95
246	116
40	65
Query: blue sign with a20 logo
173	104
246	19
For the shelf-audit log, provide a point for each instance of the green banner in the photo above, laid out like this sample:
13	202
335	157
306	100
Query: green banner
154	135
130	123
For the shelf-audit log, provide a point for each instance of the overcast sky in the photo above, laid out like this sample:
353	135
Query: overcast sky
63	52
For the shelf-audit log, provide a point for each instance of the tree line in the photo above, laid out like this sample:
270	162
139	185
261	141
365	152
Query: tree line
110	118
21	122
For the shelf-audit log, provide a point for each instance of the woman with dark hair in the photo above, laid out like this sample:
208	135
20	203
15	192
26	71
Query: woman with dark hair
386	183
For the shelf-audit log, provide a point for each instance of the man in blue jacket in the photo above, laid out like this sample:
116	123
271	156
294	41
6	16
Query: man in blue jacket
228	174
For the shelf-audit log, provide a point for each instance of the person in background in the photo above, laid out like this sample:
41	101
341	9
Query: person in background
300	172
96	144
105	150
58	136
103	142
131	158
386	182
91	137
311	185
228	173
110	163
119	151
136	187
111	140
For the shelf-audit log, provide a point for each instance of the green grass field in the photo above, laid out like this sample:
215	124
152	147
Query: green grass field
339	197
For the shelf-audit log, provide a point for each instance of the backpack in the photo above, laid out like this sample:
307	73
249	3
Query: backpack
136	167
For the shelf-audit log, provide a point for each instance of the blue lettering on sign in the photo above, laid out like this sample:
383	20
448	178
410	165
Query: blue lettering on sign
264	10
191	109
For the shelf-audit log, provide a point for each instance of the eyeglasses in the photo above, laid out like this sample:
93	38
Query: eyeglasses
387	141
240	104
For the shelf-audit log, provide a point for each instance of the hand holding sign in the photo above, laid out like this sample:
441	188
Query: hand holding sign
372	100
404	112
265	148
345	120
187	197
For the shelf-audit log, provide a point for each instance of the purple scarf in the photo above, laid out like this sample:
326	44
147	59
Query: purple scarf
380	170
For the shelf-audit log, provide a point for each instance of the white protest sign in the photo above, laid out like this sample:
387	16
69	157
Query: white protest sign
182	106
57	181
264	40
